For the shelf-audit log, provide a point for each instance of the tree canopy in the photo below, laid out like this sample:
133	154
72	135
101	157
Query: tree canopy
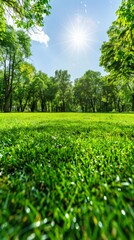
118	52
26	13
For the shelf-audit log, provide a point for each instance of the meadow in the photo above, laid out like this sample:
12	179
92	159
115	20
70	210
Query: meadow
66	176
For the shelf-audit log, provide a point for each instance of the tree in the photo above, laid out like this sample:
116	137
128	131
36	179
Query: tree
64	90
34	95
1	91
87	91
22	91
127	82
26	13
118	51
41	82
51	93
14	48
125	18
117	54
113	95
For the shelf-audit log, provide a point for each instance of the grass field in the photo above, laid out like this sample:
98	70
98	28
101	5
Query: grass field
66	176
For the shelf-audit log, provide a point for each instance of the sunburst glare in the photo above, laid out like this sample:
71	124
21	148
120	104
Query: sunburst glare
79	34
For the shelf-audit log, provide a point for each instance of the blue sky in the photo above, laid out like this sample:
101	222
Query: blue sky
72	36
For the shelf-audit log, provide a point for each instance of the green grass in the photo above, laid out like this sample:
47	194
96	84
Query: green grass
66	176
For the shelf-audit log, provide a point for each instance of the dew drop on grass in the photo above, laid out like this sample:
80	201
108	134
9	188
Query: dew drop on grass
87	199
125	183
32	236
105	198
45	220
72	183
27	210
44	237
123	212
67	215
74	219
100	224
37	224
33	188
52	223
130	179
117	178
77	226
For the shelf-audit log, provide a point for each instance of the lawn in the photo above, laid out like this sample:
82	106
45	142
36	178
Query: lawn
66	176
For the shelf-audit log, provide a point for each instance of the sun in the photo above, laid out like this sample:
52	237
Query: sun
78	38
79	34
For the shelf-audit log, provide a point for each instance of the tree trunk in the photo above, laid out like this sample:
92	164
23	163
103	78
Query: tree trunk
63	106
43	106
11	103
8	83
7	105
118	105
92	105
33	106
133	102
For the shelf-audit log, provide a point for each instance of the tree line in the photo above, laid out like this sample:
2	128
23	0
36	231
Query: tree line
23	88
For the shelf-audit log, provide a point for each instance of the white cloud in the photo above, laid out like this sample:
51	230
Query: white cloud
37	34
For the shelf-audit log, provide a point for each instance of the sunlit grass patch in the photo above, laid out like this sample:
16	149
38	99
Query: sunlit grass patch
66	176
